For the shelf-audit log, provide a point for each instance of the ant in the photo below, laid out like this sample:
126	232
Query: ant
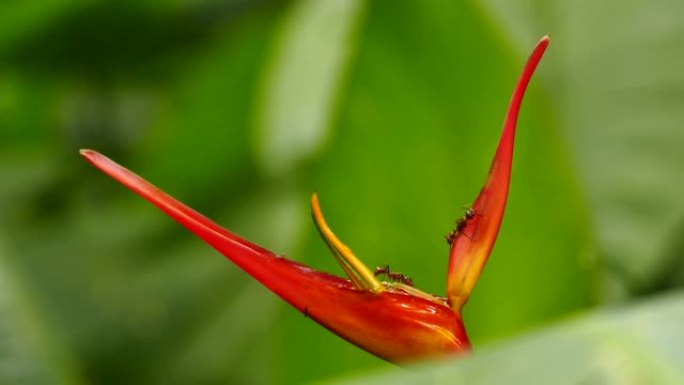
460	225
396	276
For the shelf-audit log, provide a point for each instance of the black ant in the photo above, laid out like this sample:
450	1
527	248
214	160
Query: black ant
451	236
460	225
394	276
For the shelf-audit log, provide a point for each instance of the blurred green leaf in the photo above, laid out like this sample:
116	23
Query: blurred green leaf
302	81
31	351
640	344
106	42
620	94
205	117
20	19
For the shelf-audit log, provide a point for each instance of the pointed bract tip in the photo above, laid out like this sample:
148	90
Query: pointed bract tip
85	152
544	42
91	155
94	157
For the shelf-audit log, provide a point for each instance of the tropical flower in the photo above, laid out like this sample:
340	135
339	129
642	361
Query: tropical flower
392	320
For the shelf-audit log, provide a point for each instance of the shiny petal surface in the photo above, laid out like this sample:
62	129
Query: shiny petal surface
393	324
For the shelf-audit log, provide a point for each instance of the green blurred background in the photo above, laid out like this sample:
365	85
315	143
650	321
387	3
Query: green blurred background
390	110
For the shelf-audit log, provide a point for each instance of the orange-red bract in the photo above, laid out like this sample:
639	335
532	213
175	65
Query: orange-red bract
393	325
398	323
472	246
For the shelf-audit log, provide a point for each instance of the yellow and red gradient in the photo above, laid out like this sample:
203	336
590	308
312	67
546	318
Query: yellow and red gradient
393	321
472	246
392	324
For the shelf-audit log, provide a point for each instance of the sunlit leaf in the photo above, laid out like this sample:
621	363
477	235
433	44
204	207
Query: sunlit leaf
622	90
302	80
641	344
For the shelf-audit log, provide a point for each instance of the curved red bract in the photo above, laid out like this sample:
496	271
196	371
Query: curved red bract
395	326
472	246
393	323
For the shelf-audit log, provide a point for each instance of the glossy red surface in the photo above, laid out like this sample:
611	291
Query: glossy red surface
393	325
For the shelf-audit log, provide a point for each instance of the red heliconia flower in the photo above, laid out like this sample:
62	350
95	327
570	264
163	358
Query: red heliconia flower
392	320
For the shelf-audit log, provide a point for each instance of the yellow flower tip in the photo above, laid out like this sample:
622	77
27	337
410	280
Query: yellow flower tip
357	271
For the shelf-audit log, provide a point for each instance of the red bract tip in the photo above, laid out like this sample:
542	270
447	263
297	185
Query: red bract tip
473	243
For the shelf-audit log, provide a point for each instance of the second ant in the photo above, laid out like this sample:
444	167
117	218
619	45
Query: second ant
460	225
394	276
